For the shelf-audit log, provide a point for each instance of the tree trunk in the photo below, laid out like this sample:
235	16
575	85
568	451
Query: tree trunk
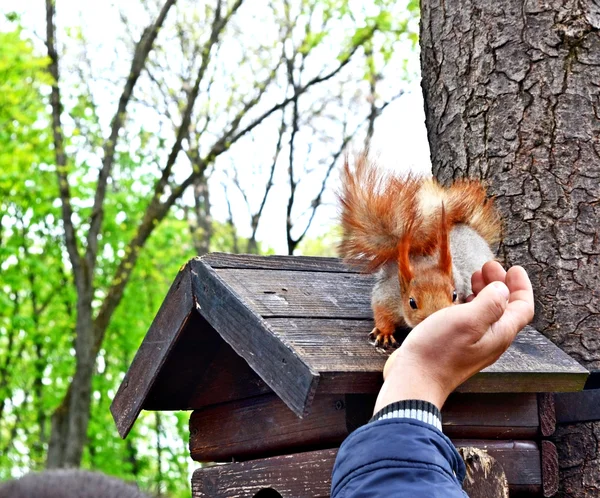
70	420
201	223
512	96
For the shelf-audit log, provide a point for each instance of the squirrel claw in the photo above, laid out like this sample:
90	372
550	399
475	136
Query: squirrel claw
379	339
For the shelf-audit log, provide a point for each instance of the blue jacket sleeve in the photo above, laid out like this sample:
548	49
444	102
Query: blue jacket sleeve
397	458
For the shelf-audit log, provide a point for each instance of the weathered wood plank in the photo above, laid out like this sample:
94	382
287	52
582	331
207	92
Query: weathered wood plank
269	354
292	263
583	406
520	459
227	378
301	475
339	348
491	416
547	414
308	475
549	469
166	327
185	367
285	293
264	425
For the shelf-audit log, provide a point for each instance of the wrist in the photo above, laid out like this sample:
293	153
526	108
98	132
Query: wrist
406	384
414	409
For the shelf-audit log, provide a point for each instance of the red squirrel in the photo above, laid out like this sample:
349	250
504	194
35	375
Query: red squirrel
423	240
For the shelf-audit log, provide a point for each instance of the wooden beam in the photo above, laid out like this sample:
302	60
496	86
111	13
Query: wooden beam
338	349
549	469
166	327
304	475
301	475
267	353
264	426
547	414
220	260
583	406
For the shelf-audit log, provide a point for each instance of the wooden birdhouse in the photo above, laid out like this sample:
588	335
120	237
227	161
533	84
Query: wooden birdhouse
271	355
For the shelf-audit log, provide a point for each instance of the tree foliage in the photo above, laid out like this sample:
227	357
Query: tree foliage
105	183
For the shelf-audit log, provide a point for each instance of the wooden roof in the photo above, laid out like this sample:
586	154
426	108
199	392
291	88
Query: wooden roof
234	326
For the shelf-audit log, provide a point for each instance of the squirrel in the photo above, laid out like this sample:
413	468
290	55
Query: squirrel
423	240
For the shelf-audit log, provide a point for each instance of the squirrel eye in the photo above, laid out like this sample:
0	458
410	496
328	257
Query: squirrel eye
454	296
413	303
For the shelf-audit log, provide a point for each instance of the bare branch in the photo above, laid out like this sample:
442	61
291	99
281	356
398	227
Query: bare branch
372	95
236	182
231	136
230	223
317	201
59	151
154	214
142	49
202	232
257	216
156	211
167	99
291	243
218	25
318	198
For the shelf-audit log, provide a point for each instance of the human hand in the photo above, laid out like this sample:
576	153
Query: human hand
455	343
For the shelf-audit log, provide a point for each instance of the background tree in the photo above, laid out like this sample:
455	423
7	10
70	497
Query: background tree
70	419
99	188
30	253
512	96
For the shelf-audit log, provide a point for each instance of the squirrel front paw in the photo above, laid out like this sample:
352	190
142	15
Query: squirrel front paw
382	339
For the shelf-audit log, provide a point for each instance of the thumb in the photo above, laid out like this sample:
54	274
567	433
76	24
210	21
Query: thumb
489	305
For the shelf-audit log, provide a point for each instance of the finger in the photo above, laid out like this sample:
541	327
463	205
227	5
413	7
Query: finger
477	283
489	305
519	311
521	305
519	285
492	271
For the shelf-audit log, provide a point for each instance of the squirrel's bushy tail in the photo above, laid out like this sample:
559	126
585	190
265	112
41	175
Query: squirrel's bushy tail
467	202
378	210
381	212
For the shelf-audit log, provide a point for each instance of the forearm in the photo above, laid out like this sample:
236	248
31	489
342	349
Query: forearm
397	457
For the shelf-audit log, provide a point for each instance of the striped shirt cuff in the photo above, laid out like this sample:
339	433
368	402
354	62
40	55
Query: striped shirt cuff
411	408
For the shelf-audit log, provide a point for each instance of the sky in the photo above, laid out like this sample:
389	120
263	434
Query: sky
399	142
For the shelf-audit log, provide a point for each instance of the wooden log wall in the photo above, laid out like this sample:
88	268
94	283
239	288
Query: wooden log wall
272	445
265	426
308	475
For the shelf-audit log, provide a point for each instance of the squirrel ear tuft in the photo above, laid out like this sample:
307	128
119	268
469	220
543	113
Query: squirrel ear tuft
405	273
444	244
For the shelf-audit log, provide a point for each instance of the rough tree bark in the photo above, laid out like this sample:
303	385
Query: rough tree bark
512	95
